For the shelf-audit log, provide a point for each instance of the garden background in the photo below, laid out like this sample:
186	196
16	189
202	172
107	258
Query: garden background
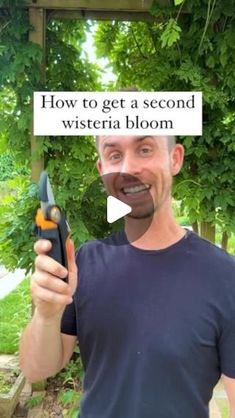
190	46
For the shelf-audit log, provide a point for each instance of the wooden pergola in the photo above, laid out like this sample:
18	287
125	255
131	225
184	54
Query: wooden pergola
41	11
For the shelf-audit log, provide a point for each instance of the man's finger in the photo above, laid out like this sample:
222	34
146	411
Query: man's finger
72	267
71	256
42	246
49	265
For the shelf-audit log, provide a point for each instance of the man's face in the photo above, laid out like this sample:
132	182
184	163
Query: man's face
138	170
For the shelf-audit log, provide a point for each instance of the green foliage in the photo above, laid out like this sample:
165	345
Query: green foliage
16	222
73	373
231	244
192	51
69	161
223	405
4	385
19	76
7	379
178	2
15	312
20	63
70	399
171	33
34	401
8	167
72	377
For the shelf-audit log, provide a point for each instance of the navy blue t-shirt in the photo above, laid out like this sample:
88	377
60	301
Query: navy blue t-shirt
156	328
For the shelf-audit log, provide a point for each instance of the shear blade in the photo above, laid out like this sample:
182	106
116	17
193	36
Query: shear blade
45	192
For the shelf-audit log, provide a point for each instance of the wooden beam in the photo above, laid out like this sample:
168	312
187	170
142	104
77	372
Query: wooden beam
101	15
130	5
37	18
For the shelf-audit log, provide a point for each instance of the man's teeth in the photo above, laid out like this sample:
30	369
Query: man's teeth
136	189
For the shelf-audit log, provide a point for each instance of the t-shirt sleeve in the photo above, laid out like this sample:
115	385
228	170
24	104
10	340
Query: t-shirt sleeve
227	348
68	321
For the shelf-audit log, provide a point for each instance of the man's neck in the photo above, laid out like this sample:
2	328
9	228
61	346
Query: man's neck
162	233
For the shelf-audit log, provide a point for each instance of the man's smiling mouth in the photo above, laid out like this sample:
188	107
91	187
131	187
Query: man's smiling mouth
131	190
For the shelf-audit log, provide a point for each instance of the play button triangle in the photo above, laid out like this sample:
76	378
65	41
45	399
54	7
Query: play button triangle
116	209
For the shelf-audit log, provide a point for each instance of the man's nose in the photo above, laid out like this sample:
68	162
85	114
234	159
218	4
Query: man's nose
130	165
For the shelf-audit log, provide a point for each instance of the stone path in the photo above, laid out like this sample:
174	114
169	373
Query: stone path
8	360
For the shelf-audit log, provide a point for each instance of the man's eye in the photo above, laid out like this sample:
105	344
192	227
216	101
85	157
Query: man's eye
145	150
115	156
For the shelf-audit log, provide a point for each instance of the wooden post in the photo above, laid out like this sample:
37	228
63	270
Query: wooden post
208	231
224	240
37	18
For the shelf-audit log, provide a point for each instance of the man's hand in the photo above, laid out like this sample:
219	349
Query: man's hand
50	293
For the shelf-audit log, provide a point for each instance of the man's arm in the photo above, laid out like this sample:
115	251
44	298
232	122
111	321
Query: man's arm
44	350
229	385
47	348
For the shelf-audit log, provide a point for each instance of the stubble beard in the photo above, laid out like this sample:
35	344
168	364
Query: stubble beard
153	207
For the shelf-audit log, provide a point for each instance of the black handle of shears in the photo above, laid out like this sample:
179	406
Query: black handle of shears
58	234
56	251
52	225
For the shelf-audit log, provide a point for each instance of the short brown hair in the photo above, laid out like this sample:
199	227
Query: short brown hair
171	141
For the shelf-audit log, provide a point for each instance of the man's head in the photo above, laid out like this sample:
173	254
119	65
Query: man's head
149	162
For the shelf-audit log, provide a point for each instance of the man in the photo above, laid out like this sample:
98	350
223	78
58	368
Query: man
154	317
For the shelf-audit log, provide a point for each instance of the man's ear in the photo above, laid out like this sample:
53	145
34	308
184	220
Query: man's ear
99	167
177	158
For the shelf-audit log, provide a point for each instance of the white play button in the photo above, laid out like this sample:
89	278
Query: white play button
116	209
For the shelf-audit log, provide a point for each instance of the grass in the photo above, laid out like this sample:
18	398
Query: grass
34	400
221	399
15	312
223	407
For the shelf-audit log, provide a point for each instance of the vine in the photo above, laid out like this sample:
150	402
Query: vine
69	161
175	64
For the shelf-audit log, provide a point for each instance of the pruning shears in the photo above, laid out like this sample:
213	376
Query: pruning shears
51	223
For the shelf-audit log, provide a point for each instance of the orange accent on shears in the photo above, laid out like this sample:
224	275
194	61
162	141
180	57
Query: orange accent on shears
44	223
